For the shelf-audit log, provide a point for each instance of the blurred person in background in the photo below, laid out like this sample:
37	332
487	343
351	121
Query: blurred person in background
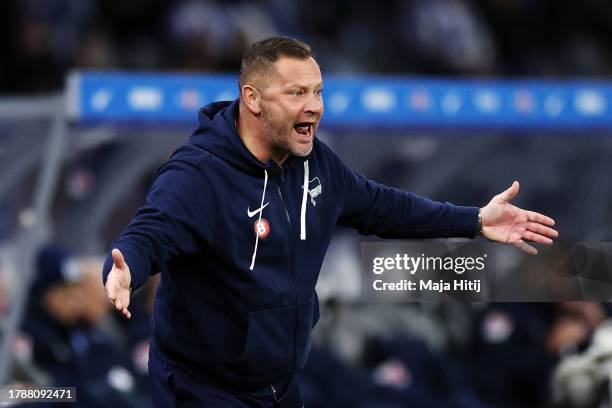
515	347
63	322
43	40
230	327
583	376
575	324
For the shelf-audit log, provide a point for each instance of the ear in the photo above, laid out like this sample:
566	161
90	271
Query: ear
251	98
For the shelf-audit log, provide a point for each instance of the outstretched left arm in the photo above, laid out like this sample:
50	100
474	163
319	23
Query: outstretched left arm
506	223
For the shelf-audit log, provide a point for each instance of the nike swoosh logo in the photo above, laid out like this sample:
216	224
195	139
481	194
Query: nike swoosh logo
252	213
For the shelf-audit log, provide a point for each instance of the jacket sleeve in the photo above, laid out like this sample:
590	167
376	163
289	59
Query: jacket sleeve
375	209
179	216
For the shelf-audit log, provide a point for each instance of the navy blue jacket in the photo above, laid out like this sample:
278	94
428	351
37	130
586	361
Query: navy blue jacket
238	306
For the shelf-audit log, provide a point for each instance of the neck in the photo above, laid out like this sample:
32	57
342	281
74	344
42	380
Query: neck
254	137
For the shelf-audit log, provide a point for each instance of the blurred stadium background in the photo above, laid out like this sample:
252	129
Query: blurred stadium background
451	99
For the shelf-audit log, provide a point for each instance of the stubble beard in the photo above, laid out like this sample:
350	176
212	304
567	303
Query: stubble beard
280	135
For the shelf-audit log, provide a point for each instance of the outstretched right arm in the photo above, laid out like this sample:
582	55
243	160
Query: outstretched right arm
179	216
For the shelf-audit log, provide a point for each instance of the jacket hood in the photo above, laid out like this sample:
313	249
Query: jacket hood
218	135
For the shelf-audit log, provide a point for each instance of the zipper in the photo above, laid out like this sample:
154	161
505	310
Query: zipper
292	266
273	392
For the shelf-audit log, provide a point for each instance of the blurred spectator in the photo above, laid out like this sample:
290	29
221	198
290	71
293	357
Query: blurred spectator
516	346
507	361
96	51
408	371
65	309
43	40
583	380
204	37
446	36
574	326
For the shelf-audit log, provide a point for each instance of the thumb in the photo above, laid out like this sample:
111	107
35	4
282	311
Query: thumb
511	192
118	258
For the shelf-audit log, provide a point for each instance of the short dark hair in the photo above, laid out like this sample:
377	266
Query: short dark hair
260	58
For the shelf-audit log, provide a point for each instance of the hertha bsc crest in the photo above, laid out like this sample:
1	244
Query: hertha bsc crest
314	189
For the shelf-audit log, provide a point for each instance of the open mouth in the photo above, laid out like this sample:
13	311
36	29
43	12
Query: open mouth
303	129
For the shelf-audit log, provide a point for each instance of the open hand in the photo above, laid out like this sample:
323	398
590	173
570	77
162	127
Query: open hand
506	223
118	284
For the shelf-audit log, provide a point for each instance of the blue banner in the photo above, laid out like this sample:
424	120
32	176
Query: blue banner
354	102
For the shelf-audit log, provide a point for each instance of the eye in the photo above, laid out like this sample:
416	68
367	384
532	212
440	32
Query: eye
319	92
296	93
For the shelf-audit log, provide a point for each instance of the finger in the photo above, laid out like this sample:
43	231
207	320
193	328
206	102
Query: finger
118	259
541	218
111	293
540	239
542	230
511	192
523	246
124	308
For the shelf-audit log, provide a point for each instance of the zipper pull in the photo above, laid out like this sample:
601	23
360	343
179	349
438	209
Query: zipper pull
273	392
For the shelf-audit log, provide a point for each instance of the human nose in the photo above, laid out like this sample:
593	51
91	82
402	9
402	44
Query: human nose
314	105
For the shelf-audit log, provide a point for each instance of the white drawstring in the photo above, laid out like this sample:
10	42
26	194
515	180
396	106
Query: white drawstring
302	213
304	197
261	207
